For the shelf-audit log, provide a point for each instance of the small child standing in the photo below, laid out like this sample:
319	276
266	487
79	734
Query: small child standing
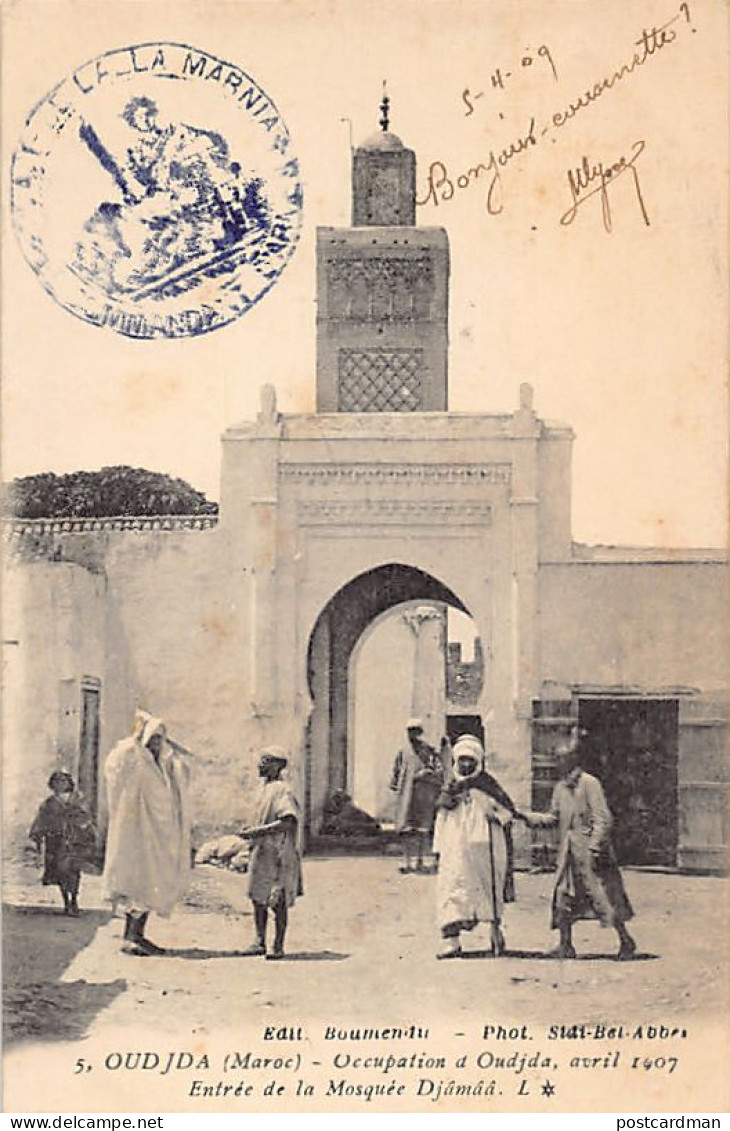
66	830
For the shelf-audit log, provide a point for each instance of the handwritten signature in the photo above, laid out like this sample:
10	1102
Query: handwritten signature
589	180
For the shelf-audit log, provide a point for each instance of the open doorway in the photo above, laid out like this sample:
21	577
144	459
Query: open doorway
360	675
88	764
631	744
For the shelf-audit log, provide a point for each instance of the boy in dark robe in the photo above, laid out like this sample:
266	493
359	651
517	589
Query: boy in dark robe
65	829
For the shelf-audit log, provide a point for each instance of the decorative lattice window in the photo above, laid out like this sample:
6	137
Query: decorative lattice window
380	380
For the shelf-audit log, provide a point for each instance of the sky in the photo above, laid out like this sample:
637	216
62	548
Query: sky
622	333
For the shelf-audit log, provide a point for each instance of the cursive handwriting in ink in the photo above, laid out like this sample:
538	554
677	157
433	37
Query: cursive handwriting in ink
441	187
650	44
587	180
500	78
469	99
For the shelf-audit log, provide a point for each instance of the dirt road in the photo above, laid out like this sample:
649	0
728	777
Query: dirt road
361	951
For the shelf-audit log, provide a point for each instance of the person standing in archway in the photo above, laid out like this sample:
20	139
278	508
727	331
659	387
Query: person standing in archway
417	778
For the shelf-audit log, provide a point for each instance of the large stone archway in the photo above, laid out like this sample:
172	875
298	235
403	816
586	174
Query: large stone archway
354	608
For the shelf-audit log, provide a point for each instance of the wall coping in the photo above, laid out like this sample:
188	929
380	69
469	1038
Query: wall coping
583	554
414	427
17	527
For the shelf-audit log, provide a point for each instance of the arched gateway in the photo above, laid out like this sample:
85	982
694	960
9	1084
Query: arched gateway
341	627
383	497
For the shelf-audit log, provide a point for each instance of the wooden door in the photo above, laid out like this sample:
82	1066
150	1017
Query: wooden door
88	771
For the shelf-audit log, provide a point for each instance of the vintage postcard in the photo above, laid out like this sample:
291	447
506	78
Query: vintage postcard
365	639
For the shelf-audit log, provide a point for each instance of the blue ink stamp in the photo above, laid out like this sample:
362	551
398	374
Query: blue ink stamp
155	192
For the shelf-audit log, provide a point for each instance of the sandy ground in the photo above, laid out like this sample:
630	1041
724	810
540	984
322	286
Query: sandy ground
355	940
361	950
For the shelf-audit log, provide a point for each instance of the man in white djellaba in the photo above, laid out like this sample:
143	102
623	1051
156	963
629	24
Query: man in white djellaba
473	843
147	866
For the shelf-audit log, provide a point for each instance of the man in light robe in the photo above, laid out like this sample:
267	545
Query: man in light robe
417	777
588	883
275	872
474	850
148	861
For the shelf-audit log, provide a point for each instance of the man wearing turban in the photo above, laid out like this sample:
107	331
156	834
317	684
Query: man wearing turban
416	781
275	874
473	843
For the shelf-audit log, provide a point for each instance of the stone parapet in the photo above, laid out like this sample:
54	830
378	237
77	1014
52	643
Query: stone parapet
18	527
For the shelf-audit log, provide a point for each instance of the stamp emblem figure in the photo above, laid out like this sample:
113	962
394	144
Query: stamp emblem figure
158	209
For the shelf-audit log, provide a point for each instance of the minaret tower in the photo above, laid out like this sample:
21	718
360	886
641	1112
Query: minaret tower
382	292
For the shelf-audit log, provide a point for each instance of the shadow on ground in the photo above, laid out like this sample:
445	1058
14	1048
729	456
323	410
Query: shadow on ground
315	956
199	954
541	955
39	943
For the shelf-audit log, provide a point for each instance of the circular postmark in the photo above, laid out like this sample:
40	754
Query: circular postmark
155	192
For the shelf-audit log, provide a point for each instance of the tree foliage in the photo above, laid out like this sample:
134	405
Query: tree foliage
110	492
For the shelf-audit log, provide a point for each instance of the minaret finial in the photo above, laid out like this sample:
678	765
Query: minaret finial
384	107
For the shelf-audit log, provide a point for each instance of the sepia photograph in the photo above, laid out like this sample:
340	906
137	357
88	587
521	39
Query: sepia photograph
366	666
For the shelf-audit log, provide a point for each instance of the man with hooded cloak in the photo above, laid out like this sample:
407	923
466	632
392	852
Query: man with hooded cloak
147	866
